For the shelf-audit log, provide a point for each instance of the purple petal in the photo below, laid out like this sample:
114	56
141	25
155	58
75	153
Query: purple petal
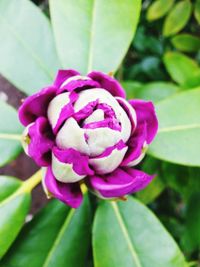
86	111
120	182
80	162
36	105
66	112
70	194
41	141
146	114
63	75
78	84
135	145
108	83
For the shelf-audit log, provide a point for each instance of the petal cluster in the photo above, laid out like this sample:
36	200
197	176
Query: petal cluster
81	128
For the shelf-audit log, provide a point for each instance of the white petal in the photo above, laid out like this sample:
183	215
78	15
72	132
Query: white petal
104	96
26	138
101	138
131	110
46	191
109	163
64	172
97	115
55	107
72	136
74	78
140	158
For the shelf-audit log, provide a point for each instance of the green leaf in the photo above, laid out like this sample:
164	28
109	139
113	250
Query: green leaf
14	206
9	134
177	18
158	9
136	238
94	34
27	52
156	187
57	236
186	42
177	140
180	67
197	10
154	91
192	233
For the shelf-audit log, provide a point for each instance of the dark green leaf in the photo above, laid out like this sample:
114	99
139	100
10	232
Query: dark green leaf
9	133
197	11
128	234
27	52
179	129
186	42
14	206
180	67
57	236
94	34
177	18
158	9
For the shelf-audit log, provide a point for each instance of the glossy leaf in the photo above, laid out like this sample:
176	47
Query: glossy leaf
14	206
27	51
154	91
10	131
177	140
197	10
136	238
87	30
180	67
57	236
177	18
186	42
158	9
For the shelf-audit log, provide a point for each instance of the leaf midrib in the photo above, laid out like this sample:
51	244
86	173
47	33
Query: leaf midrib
59	236
179	128
122	225
26	47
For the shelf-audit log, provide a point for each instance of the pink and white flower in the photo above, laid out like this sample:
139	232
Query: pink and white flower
82	128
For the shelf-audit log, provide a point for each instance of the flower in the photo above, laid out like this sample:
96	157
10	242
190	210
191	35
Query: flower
81	128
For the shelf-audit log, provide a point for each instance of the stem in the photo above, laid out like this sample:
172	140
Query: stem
31	183
17	137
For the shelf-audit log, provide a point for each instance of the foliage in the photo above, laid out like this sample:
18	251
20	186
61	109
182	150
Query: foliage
162	65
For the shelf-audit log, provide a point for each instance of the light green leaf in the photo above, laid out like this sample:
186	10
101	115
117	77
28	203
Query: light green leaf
128	234
57	236
177	140
180	67
154	91
94	34
14	206
177	18
27	51
10	130
186	42
197	10
158	9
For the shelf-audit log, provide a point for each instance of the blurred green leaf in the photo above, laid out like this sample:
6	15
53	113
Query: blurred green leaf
154	91
136	238
197	10
180	67
186	42
87	30
9	127
14	206
178	17
155	188
27	51
177	140
57	236
158	9
192	233
193	81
